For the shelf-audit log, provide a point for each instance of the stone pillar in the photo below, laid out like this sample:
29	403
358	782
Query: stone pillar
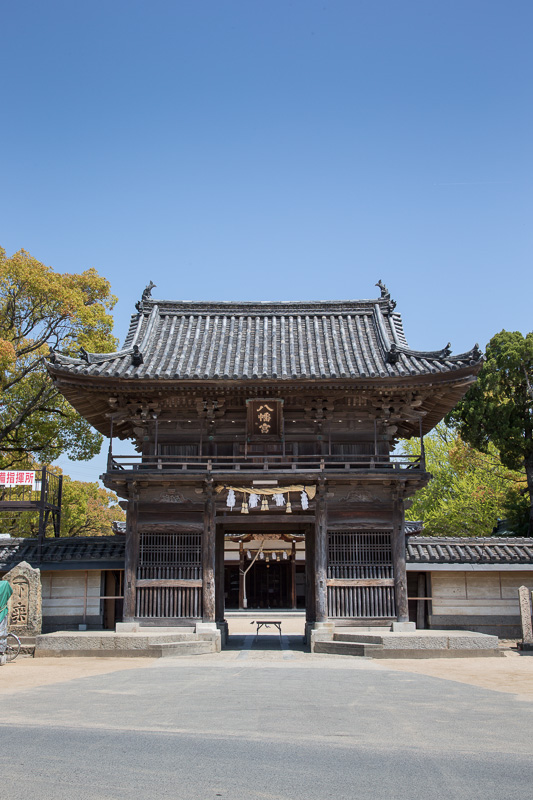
398	562
208	556
25	605
321	556
131	556
524	595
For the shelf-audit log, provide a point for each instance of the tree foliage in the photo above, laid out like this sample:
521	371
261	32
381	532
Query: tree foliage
470	490
42	309
86	510
498	410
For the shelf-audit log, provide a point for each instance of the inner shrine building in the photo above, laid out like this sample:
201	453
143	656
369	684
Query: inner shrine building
266	473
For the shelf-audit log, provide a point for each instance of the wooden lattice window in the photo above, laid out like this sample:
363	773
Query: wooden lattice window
170	555
360	574
359	554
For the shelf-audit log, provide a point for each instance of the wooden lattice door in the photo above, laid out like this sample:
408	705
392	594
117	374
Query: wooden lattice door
169	576
360	575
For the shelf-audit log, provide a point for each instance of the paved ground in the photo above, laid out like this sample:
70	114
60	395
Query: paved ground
262	721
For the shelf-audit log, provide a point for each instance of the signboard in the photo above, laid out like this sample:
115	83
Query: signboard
10	477
265	420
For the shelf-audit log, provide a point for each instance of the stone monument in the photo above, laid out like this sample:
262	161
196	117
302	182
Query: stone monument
524	595
25	615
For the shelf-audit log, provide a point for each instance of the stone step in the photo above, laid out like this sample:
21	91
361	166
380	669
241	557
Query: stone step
408	644
341	648
174	649
165	629
365	638
106	644
27	645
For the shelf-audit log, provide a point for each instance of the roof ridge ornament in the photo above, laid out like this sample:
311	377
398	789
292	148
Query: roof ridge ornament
392	356
385	294
146	295
136	357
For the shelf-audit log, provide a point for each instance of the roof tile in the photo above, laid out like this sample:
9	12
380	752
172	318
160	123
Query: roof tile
251	341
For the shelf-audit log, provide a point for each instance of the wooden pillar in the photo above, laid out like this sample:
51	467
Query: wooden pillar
310	582
131	556
219	575
241	576
398	562
293	575
321	555
421	603
208	556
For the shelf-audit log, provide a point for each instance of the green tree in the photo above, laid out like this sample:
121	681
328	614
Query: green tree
88	510
498	409
42	309
469	491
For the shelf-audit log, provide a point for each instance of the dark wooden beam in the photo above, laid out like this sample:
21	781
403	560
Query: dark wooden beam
360	582
264	519
170	582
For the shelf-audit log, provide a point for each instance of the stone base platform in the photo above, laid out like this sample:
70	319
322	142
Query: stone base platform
110	644
377	643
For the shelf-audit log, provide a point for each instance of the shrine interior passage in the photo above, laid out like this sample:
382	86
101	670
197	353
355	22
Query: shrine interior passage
264	571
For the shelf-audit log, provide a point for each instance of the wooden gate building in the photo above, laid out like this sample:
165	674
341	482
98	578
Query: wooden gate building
265	438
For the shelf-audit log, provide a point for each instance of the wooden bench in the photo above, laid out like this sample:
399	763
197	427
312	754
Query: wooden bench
266	623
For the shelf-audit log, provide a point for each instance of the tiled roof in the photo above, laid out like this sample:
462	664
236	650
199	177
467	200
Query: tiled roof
421	550
449	550
94	549
240	341
412	527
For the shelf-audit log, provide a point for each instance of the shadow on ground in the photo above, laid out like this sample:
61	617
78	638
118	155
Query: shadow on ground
267	642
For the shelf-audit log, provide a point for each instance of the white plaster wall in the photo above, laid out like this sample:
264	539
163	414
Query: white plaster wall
477	593
60	586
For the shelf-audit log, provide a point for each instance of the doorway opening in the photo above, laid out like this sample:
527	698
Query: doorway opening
264	571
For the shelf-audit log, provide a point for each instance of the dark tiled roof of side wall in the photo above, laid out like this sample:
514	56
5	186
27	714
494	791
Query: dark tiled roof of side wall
457	550
92	549
419	550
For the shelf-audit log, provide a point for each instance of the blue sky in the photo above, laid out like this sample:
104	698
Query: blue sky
238	149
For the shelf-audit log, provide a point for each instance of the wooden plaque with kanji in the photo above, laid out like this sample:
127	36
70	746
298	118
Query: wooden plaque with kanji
265	420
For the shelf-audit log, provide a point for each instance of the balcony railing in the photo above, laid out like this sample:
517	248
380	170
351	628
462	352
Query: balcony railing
260	463
42	497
